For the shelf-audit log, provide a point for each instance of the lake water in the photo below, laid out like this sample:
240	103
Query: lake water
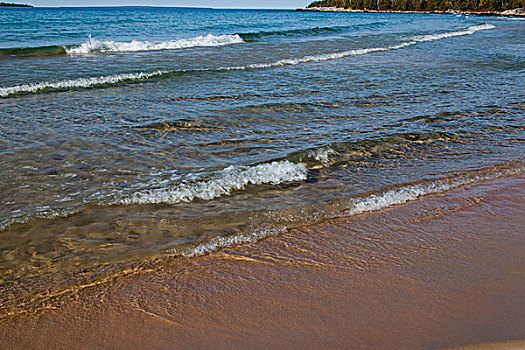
135	133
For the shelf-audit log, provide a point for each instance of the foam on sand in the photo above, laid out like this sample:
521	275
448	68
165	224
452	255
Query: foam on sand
219	242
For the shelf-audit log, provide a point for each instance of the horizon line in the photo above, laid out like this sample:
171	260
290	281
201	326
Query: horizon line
180	7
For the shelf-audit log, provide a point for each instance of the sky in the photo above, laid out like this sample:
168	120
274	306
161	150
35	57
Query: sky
261	4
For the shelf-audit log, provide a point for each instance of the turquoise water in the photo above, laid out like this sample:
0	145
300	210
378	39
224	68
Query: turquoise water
132	133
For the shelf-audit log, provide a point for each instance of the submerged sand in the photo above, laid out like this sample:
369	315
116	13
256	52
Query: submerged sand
444	271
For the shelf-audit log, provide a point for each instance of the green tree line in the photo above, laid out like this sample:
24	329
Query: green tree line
5	4
423	5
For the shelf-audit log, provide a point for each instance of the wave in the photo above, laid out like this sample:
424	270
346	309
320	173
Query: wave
78	83
53	50
469	30
254	36
92	46
223	183
355	206
219	242
118	78
95	46
43	213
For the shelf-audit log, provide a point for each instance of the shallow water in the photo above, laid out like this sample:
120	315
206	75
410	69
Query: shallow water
130	133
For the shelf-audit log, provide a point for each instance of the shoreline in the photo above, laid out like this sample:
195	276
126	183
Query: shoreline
506	13
442	271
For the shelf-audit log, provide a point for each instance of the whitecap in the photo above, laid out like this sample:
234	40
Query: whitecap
223	183
467	31
94	45
117	78
321	155
78	82
219	242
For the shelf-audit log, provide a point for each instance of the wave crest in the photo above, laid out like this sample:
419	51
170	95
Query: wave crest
78	83
468	31
226	181
117	78
94	45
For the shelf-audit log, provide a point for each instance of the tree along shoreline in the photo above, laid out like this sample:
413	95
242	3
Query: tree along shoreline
6	4
474	7
506	13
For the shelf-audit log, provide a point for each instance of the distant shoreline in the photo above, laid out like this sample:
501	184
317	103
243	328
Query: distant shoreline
507	13
4	4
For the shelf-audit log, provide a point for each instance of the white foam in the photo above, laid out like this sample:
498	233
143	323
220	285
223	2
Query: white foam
307	59
227	180
94	45
219	242
78	83
395	196
359	52
357	206
322	154
113	79
408	193
468	31
42	213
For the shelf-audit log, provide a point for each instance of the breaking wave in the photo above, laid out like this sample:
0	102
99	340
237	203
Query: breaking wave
118	78
92	46
78	83
469	30
223	183
355	206
219	242
321	155
374	202
95	46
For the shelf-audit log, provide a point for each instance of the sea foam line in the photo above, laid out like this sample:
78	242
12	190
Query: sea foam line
468	31
219	242
375	202
117	78
356	206
223	183
94	45
79	82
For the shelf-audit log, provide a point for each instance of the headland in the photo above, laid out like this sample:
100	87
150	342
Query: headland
488	8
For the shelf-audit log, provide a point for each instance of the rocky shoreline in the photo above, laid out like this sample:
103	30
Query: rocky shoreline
514	12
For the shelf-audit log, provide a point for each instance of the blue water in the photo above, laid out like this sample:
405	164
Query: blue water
132	133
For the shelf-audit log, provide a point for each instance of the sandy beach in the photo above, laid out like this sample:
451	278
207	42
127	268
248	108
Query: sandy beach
443	271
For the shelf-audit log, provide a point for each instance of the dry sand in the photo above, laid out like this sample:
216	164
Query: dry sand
444	271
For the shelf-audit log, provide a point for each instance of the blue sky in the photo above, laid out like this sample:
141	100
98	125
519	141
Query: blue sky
276	4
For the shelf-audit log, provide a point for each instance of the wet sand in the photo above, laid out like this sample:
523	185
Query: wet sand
443	271
510	345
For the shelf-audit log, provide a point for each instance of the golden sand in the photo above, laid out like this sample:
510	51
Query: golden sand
444	271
